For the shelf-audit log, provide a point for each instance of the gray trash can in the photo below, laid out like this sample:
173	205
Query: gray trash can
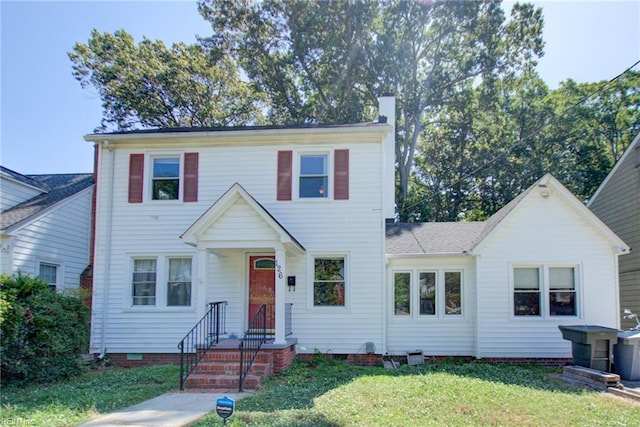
626	355
591	345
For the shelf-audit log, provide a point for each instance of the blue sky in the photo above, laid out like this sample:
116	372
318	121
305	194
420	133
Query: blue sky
45	113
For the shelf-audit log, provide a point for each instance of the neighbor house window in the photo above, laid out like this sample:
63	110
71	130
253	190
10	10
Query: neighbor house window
49	273
166	178
179	283
402	294
144	281
329	282
526	291
452	293
428	292
314	178
562	291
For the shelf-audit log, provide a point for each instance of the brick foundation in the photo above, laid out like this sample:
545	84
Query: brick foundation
284	357
133	360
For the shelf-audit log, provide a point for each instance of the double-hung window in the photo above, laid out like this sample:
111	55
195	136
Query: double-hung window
545	291
143	282
49	273
166	178
161	281
329	284
562	291
179	283
314	176
526	291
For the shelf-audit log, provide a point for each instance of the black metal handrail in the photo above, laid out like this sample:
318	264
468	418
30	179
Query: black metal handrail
252	341
201	337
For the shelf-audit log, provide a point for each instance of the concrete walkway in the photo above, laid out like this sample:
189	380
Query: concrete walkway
167	410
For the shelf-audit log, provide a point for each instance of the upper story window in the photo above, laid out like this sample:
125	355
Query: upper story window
166	178
172	177
319	175
314	178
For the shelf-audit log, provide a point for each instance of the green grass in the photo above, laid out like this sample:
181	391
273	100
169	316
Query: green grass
75	401
331	393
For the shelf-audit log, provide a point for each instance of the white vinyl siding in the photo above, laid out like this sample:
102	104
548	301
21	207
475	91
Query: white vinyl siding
59	237
430	326
352	227
542	232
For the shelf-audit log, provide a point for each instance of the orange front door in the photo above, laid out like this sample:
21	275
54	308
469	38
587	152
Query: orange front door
262	287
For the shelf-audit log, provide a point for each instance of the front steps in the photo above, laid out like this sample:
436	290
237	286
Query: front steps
219	369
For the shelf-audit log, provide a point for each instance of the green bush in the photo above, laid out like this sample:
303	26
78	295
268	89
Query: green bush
43	332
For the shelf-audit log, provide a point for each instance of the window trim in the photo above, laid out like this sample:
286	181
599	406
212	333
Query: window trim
151	177
545	309
58	283
311	280
162	279
440	312
297	175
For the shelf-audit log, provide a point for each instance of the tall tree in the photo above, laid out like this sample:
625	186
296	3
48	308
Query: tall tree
151	85
327	61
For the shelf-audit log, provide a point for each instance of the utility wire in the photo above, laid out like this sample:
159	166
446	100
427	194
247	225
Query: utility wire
535	133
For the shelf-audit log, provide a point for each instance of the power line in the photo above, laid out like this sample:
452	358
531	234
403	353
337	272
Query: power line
536	132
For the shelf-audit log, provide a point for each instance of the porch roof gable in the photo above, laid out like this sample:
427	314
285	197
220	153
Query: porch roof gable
235	195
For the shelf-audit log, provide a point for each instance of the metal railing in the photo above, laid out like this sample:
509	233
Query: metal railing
201	337
250	345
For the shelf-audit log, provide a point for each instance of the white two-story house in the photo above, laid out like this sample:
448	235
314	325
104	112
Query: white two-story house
300	219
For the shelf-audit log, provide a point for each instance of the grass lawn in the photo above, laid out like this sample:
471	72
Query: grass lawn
331	393
75	401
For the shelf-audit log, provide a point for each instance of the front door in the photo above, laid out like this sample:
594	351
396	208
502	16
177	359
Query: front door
262	287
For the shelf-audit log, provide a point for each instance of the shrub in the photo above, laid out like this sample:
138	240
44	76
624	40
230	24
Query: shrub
43	332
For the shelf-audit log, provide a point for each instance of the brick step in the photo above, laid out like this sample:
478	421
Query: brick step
215	355
227	382
232	368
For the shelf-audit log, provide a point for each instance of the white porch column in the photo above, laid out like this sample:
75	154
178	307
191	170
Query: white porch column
281	268
201	295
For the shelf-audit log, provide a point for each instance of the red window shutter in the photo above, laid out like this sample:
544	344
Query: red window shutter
136	170
285	172
341	175
190	185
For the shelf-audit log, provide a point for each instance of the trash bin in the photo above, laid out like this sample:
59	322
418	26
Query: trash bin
626	355
591	345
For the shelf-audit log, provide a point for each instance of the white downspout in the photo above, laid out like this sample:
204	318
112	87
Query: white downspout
107	248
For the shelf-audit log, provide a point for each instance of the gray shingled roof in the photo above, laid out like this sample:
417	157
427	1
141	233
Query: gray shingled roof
57	186
432	237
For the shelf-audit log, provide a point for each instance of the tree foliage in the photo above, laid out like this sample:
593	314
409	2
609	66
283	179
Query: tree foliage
475	123
43	332
150	85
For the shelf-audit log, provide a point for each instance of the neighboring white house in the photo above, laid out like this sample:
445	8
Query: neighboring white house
45	225
617	203
302	218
